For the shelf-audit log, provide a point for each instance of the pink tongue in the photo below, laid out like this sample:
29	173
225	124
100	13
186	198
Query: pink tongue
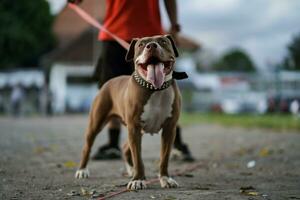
155	75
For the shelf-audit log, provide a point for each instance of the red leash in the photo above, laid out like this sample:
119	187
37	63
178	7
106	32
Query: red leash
89	19
154	180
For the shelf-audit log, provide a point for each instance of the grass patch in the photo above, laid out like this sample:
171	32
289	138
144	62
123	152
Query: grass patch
275	122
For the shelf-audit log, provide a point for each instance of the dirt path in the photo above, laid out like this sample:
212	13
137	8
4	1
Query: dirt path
39	156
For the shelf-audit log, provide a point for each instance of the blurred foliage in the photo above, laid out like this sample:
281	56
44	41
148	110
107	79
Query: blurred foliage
25	32
292	60
277	122
235	60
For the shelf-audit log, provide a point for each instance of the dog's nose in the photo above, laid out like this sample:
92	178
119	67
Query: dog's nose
151	45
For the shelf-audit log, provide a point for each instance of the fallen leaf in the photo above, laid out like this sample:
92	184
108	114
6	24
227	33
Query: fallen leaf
249	191
264	152
252	193
70	164
84	192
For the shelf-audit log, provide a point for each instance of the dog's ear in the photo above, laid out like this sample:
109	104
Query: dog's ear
173	45
130	52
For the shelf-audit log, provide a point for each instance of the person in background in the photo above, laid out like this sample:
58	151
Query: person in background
16	98
130	19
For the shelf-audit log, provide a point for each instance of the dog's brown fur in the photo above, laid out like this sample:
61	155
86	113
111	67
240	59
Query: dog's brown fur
123	98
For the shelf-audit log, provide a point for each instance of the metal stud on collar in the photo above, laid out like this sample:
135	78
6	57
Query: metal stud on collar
148	85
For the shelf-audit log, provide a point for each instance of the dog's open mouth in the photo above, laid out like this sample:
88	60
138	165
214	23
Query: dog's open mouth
155	61
154	70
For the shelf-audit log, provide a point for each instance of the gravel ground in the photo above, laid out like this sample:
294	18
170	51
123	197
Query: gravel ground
39	157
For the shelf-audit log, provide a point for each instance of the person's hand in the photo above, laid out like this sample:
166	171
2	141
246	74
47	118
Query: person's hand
174	30
75	1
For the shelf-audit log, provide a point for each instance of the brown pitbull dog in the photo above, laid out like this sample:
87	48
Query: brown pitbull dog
145	102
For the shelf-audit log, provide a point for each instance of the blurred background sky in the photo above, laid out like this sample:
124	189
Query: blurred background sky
262	28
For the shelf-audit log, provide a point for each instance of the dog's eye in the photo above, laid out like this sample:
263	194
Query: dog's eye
163	42
141	44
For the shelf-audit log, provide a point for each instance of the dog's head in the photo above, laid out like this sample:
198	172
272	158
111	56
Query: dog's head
154	58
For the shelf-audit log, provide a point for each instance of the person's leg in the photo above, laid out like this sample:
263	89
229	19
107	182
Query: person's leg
180	149
111	63
111	150
178	140
114	129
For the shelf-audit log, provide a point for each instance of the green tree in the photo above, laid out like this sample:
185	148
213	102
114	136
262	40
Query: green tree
25	32
235	60
292	60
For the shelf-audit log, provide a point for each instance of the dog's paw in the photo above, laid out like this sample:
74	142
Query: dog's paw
129	170
136	185
82	173
167	182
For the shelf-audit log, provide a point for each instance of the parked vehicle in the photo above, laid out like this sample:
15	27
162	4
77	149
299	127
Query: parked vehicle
281	103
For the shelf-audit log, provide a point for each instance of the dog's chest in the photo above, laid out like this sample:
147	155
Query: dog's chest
157	109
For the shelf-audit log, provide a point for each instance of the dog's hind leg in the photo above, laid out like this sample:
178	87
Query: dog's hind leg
97	120
128	159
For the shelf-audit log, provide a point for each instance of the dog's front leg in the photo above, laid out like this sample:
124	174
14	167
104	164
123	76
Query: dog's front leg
167	140
135	140
97	119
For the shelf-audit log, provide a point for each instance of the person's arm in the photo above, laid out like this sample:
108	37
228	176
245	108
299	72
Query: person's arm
171	7
75	1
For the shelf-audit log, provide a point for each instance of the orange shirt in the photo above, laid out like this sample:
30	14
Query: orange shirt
132	18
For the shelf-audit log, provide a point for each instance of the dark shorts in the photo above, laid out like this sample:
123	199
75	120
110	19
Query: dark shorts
111	62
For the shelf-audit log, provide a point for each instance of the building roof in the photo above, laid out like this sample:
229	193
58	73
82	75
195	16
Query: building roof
187	43
80	50
68	25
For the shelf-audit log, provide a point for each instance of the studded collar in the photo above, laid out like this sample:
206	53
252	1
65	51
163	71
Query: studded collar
148	85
